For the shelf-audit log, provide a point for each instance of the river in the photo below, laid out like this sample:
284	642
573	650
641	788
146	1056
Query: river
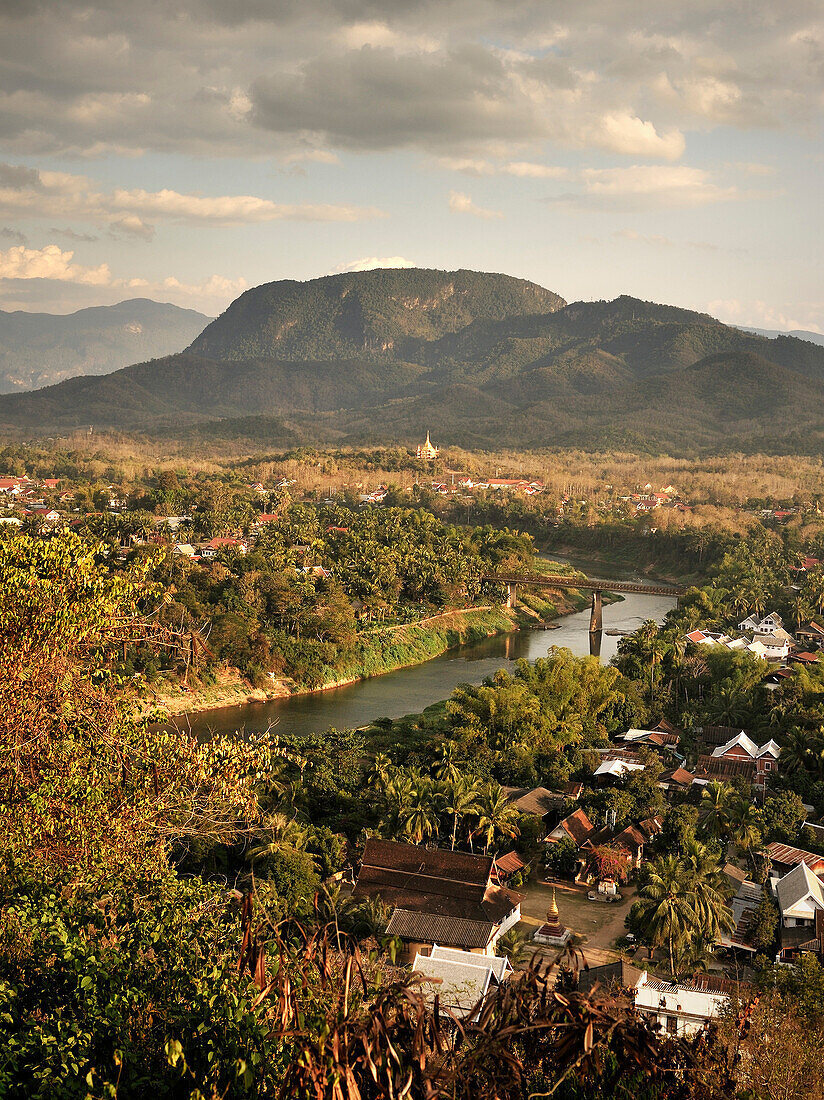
409	690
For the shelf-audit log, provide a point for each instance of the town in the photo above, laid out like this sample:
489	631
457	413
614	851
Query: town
648	831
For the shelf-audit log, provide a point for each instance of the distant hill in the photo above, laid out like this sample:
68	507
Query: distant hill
798	333
38	349
365	312
480	360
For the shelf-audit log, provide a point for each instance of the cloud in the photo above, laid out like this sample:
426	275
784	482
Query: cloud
459	203
648	186
657	240
758	314
261	77
369	263
52	265
133	211
50	262
9	234
73	235
524	169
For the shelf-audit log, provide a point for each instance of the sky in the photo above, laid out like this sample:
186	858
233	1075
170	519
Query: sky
671	151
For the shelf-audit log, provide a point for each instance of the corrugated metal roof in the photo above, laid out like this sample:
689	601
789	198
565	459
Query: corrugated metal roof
452	931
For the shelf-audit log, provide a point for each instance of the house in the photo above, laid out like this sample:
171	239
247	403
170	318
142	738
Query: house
183	550
506	866
459	979
811	634
714	637
767	625
223	545
266	517
678	1008
682	1008
577	827
743	905
775	646
740	756
437	896
800	897
51	482
540	801
618	762
784	857
44	513
677	779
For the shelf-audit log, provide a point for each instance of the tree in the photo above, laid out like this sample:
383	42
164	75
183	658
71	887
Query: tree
664	905
497	816
763	924
460	799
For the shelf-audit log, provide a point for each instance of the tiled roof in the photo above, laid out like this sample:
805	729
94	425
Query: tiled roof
718	735
699	983
538	800
578	826
677	775
508	864
436	882
452	931
458	985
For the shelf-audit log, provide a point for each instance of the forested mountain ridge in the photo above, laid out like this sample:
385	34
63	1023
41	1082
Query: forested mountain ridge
40	349
372	358
344	316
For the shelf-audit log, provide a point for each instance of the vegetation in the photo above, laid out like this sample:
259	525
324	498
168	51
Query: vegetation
484	359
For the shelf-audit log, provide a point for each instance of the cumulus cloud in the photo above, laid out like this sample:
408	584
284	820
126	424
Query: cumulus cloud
133	211
460	203
51	265
50	262
369	263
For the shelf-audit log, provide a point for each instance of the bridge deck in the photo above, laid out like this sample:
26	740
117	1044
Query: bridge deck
541	580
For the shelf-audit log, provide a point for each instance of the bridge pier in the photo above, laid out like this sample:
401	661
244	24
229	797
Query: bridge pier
511	594
596	618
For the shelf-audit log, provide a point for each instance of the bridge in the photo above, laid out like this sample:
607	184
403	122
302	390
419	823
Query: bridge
585	584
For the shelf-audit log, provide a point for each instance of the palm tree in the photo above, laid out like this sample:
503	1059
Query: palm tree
445	766
460	798
796	752
497	816
421	815
716	799
744	830
512	945
279	834
709	891
666	904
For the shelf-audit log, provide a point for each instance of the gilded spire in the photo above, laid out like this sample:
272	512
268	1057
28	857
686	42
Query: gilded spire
552	912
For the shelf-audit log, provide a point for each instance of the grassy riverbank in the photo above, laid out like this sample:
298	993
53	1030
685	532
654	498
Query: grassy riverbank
375	653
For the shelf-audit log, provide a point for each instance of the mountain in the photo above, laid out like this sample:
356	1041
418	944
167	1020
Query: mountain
480	360
798	333
38	349
363	312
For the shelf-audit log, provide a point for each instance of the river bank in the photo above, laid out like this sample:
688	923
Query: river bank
376	653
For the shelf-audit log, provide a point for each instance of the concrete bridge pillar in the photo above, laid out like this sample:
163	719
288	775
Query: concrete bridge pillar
596	618
511	594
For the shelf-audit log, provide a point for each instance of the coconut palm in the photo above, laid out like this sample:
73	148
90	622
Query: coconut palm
445	766
460	798
421	815
716	800
666	906
512	945
278	834
709	891
497	816
743	825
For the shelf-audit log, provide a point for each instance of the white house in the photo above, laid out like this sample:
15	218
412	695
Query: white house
617	768
799	895
773	646
684	1007
459	978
